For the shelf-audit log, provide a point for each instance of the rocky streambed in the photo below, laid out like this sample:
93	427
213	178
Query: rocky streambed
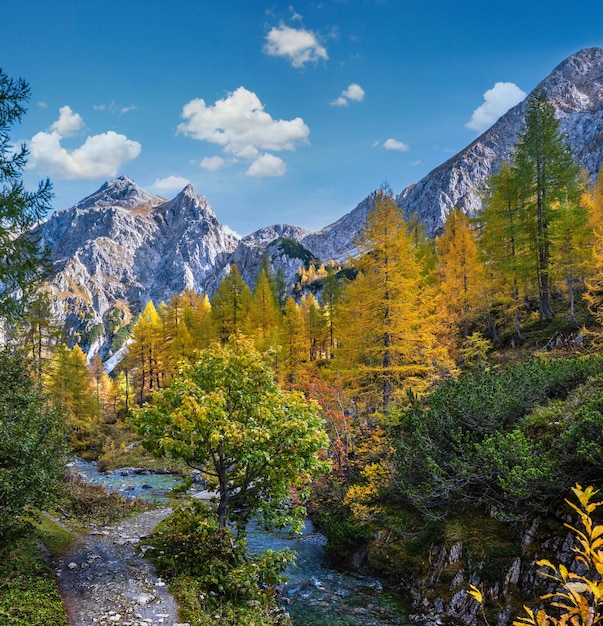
104	579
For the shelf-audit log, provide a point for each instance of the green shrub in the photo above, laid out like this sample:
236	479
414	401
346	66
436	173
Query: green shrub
343	534
32	451
190	542
28	591
468	444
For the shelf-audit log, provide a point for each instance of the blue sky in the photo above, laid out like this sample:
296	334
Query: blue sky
277	112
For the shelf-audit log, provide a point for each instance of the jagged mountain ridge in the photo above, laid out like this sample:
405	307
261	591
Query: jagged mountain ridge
109	248
123	244
574	87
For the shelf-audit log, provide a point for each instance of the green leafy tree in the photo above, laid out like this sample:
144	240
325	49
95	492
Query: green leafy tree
32	453
252	441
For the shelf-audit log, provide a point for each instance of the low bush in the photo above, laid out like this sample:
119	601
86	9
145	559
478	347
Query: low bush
84	504
472	441
344	534
191	550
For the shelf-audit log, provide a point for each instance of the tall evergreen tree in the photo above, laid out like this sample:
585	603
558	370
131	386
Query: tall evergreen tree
22	263
547	176
503	243
230	305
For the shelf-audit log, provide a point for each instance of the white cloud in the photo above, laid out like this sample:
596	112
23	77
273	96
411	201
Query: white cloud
99	156
42	105
497	101
353	92
340	102
68	124
171	183
213	164
394	144
240	125
299	45
113	107
267	165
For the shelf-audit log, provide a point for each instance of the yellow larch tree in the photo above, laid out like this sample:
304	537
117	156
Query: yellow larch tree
197	317
315	325
70	385
460	270
143	358
294	347
264	317
389	341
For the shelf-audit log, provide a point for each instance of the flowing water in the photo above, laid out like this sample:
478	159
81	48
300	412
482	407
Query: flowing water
316	593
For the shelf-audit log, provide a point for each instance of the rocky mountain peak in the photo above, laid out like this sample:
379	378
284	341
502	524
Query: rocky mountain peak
265	236
122	192
125	245
187	205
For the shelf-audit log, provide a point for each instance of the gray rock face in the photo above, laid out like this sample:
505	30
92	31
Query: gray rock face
123	244
575	88
336	241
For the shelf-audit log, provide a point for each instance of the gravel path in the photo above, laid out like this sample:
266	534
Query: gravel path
104	580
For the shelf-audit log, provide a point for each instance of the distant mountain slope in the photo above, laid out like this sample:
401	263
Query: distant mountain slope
336	241
575	88
269	241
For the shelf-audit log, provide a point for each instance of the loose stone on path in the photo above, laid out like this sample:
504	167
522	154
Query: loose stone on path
104	580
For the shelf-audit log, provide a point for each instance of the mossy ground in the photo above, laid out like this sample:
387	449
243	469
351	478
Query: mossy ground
28	591
199	610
